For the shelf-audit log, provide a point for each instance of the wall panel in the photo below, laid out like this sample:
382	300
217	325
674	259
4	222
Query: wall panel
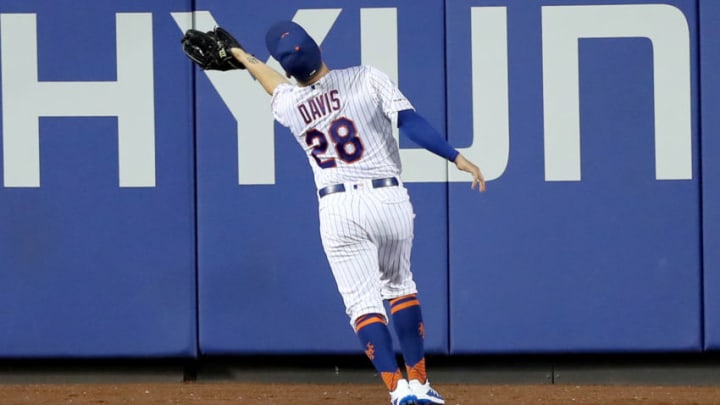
596	254
97	236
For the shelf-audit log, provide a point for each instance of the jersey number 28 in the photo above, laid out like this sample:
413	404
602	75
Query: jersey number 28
343	135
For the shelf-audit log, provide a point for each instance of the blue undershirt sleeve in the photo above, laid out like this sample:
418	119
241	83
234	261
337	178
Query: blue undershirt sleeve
415	127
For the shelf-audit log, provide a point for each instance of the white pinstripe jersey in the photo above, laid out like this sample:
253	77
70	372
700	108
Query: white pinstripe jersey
344	123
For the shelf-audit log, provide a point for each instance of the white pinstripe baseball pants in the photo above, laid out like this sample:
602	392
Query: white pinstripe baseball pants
367	235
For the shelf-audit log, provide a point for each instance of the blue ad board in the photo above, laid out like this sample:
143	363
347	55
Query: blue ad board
97	202
149	208
588	237
709	41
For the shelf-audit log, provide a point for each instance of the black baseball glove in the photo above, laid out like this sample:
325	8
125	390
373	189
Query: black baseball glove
211	50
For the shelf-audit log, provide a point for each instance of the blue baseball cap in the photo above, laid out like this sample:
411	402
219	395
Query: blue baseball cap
296	51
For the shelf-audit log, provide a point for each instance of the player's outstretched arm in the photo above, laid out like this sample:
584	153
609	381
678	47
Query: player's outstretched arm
421	132
268	77
467	166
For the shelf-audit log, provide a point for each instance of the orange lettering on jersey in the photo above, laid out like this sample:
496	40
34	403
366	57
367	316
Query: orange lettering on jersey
335	100
319	106
304	113
321	101
314	109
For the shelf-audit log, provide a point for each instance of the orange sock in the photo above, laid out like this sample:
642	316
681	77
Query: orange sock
376	340
418	372
410	329
391	379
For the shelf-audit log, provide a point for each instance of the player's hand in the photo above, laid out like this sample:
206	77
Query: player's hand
468	166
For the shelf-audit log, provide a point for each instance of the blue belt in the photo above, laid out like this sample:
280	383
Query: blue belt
340	188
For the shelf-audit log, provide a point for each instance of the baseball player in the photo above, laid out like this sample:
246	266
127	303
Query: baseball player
343	120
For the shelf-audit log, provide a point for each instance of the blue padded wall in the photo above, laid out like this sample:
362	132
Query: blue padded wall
96	256
148	208
604	263
709	41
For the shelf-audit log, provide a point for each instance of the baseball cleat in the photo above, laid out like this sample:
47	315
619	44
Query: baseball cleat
425	393
402	394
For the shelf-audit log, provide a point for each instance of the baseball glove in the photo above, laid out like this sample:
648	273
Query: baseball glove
211	50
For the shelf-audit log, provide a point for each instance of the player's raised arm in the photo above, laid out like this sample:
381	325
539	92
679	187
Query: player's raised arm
219	50
268	77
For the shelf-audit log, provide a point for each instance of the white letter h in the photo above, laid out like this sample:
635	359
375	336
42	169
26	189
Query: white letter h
130	98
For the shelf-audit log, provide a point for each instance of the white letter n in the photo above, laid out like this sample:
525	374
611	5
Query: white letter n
667	29
130	98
